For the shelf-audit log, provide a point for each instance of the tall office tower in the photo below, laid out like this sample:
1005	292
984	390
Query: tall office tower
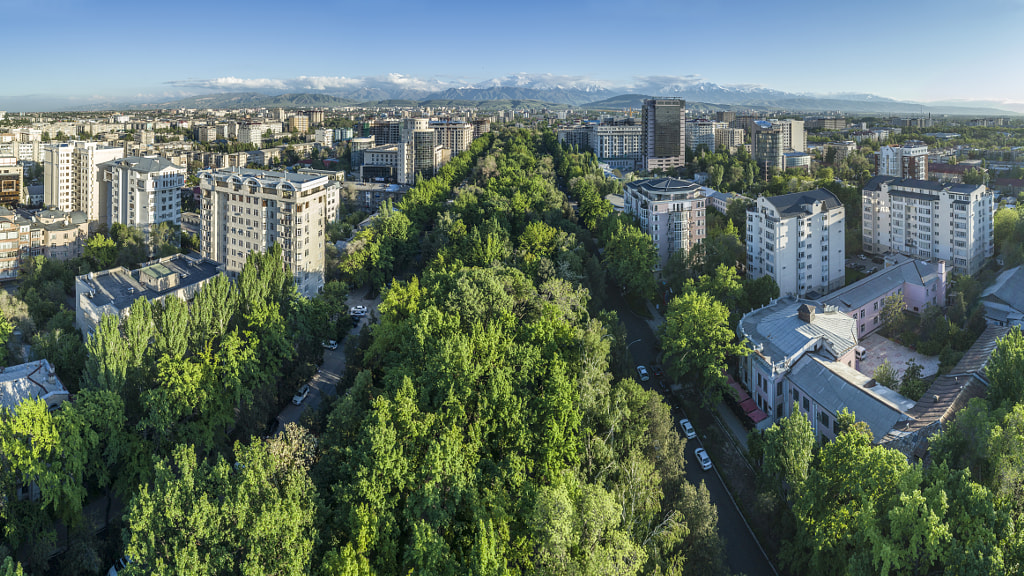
909	160
799	240
925	219
72	179
663	133
767	145
144	191
247	210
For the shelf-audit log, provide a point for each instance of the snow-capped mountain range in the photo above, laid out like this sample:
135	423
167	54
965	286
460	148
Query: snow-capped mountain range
573	91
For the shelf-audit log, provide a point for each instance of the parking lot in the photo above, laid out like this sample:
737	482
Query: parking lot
879	349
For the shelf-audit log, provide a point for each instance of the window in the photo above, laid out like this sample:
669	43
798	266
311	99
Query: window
807	405
823	418
796	395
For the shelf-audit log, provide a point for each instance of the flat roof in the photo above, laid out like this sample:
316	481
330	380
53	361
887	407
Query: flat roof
119	287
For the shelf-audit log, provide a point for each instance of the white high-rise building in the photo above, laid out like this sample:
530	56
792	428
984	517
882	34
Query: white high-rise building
72	179
144	191
453	135
251	134
324	137
799	240
910	160
246	210
702	131
672	212
925	219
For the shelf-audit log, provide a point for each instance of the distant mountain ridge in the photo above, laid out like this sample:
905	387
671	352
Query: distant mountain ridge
559	91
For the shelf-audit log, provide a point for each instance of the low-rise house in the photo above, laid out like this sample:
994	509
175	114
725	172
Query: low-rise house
113	291
1004	299
34	380
920	282
803	356
720	200
64	234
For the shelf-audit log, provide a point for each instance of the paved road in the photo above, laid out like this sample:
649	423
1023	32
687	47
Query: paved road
742	552
325	383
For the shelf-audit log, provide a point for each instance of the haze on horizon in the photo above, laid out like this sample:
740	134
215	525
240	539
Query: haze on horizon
82	52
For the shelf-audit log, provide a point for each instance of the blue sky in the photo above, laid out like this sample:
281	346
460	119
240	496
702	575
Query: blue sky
82	50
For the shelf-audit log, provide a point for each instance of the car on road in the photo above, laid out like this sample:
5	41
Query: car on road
301	395
119	566
657	371
329	344
688	429
357	311
642	371
703	459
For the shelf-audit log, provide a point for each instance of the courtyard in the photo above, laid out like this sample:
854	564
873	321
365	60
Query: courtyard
879	349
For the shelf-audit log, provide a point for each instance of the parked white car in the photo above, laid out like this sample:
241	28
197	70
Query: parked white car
642	371
301	395
329	344
688	429
357	311
703	459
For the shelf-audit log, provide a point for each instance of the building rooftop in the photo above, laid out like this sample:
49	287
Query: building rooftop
30	380
947	395
119	287
874	185
142	164
777	331
836	386
904	270
667	186
266	178
793	204
1008	289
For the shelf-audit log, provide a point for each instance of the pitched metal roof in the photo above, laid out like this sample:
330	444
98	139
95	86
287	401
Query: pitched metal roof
793	204
781	334
906	270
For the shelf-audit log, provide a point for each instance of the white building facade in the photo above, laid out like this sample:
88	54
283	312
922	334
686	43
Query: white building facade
799	240
72	180
910	160
144	191
247	210
925	219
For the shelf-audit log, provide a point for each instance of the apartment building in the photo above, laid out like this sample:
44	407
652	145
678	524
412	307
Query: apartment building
12	183
663	134
246	210
702	132
617	143
843	149
251	134
908	160
324	137
799	240
72	179
575	137
672	212
730	138
144	191
925	219
452	135
298	123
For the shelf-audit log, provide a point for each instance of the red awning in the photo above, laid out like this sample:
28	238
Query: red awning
748	406
757	415
741	394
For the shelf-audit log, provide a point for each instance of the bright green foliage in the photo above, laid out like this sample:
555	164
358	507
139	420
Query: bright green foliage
698	341
787	447
253	517
101	252
885	375
1005	370
630	258
912	384
11	568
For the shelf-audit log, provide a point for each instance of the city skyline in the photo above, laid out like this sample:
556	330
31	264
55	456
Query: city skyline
201	48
